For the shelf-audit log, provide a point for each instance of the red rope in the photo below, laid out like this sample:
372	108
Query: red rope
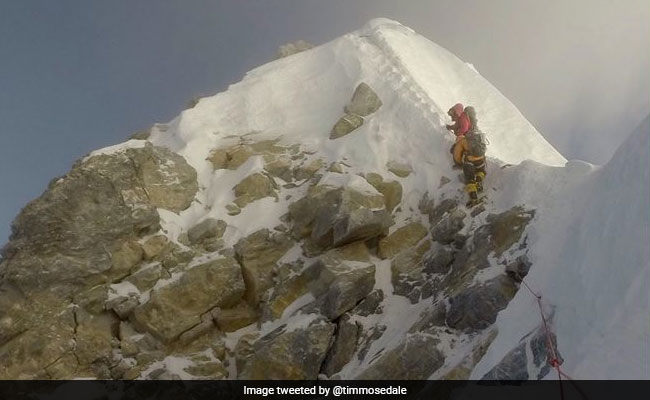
552	357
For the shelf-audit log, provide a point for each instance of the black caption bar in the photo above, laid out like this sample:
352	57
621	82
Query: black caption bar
298	390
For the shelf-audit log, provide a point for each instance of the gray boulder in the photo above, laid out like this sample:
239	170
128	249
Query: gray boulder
514	366
344	346
340	286
258	254
417	357
364	101
518	269
290	352
439	261
449	225
331	216
169	181
477	307
70	233
345	125
178	306
206	229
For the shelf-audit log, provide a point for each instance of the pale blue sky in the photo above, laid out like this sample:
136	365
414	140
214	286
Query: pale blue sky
76	75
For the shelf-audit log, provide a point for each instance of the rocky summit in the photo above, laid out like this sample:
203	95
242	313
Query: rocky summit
307	223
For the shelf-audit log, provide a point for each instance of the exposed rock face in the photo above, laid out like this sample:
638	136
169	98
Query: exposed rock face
70	232
232	319
449	225
514	365
440	261
177	306
338	280
399	168
477	307
346	124
344	346
332	216
290	353
206	229
392	190
403	238
364	101
81	234
98	290
407	270
416	358
518	269
254	187
168	180
258	254
340	285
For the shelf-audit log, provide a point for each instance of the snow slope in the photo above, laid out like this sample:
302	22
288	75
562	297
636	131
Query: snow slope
592	268
589	240
299	98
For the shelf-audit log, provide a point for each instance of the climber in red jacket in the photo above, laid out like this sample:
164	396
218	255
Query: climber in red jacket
462	123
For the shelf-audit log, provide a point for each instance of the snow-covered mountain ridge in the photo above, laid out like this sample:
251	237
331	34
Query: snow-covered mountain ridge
307	223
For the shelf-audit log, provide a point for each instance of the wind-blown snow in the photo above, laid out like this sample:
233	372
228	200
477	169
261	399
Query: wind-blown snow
589	238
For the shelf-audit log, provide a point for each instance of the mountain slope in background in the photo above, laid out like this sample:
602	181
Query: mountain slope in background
306	223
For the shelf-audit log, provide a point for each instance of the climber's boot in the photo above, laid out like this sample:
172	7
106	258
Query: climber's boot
471	189
480	176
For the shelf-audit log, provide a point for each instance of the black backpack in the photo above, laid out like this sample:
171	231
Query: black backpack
476	145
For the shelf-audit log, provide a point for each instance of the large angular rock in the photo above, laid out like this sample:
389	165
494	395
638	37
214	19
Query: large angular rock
258	254
234	156
477	307
280	167
290	352
449	225
514	366
503	230
439	261
344	346
392	190
345	125
65	240
169	181
93	337
400	169
332	216
177	307
232	319
417	357
346	284
206	229
308	169
338	280
254	187
27	354
403	238
409	263
364	101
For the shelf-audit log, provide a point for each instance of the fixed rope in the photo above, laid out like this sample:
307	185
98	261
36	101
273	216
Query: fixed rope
553	359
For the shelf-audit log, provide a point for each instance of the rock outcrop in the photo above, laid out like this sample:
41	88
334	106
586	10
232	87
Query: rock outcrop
333	216
364	102
290	352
